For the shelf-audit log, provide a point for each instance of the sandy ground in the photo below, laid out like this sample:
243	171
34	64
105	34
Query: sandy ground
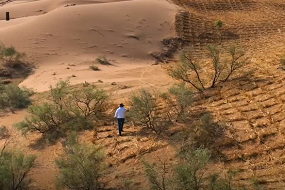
63	38
55	35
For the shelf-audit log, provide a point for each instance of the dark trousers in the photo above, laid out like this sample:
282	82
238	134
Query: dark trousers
121	122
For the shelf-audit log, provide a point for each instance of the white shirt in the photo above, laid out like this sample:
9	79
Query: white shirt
120	112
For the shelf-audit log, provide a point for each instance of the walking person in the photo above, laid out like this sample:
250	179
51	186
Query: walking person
120	115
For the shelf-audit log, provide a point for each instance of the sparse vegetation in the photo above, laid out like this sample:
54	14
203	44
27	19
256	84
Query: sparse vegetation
70	109
81	166
94	68
190	172
157	175
103	60
157	111
188	70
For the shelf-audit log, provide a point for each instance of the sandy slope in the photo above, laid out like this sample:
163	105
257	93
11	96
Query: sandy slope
78	34
65	41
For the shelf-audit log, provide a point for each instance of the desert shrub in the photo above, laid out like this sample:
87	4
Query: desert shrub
69	109
203	132
219	24
146	109
189	174
47	119
157	175
189	72
226	183
14	166
103	60
80	167
177	101
186	174
94	68
10	55
12	96
4	133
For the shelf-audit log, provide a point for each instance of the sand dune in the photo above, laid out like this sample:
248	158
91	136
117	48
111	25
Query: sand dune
52	33
126	28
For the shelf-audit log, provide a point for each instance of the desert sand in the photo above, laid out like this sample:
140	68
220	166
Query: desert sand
55	35
63	38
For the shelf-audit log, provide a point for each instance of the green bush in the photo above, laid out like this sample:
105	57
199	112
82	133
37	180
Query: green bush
146	109
189	174
12	96
80	167
4	133
177	101
70	109
10	55
14	166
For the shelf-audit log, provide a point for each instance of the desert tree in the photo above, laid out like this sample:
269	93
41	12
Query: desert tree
217	64
237	60
147	109
68	110
81	166
189	71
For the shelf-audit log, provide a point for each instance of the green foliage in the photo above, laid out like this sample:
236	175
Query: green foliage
188	71
178	100
68	110
219	24
189	174
203	132
237	61
9	55
94	68
12	96
14	166
4	133
146	110
81	166
157	175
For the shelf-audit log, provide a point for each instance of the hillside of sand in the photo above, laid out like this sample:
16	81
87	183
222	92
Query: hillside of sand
63	38
57	34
